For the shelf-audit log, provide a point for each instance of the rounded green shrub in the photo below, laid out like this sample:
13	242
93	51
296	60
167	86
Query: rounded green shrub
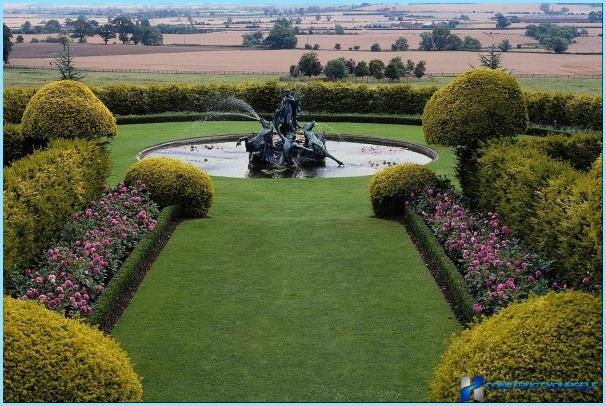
174	182
66	109
390	188
478	105
49	358
556	337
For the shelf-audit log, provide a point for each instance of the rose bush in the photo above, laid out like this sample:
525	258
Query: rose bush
73	273
497	268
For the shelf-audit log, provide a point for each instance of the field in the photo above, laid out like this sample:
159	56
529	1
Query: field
362	37
248	60
37	77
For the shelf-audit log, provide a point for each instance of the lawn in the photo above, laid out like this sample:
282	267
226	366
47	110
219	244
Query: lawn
289	291
37	77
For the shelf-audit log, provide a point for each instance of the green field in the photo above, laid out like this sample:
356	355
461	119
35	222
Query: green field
289	291
35	77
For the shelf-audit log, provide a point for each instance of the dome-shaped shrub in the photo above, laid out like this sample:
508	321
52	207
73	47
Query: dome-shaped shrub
556	337
390	188
66	109
478	105
174	182
49	358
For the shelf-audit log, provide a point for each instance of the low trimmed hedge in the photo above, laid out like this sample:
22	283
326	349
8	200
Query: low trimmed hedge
394	185
173	182
49	358
43	190
565	110
552	338
462	299
126	277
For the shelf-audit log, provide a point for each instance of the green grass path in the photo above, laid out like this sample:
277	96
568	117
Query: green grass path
290	291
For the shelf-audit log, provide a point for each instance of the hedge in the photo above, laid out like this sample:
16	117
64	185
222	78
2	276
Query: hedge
555	208
49	358
478	105
552	338
42	190
173	182
543	108
181	116
457	289
396	184
126	278
66	109
14	146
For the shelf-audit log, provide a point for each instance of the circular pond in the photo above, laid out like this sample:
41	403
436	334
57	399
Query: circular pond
362	156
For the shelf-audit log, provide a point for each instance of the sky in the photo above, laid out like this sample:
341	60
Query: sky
96	3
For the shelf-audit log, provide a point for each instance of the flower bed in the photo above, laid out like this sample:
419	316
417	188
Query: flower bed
498	269
73	273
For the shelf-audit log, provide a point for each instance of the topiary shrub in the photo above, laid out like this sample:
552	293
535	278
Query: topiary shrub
390	188
556	337
478	105
49	358
174	182
66	109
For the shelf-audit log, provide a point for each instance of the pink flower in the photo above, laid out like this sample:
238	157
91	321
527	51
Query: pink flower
505	230
39	279
586	281
477	308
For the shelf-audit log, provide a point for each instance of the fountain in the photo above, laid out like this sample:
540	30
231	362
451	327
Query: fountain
284	149
283	144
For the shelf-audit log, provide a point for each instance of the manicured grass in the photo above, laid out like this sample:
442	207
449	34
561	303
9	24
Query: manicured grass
37	77
290	291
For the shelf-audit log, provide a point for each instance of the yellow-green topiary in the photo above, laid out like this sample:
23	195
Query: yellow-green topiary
478	105
66	109
390	188
49	358
174	182
556	337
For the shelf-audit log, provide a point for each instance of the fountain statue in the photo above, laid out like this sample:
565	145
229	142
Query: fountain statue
282	143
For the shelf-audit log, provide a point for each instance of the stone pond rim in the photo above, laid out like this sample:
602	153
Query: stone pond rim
420	149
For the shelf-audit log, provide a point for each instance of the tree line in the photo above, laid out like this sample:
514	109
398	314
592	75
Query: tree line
339	68
126	30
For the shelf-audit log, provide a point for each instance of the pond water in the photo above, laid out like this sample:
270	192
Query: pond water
223	158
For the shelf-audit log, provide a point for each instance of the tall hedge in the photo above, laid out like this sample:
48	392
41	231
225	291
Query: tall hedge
584	111
551	338
554	207
49	358
43	189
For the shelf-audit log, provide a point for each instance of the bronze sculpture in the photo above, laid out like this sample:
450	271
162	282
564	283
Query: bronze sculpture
285	149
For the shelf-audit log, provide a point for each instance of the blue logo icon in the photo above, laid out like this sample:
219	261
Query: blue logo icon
472	391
